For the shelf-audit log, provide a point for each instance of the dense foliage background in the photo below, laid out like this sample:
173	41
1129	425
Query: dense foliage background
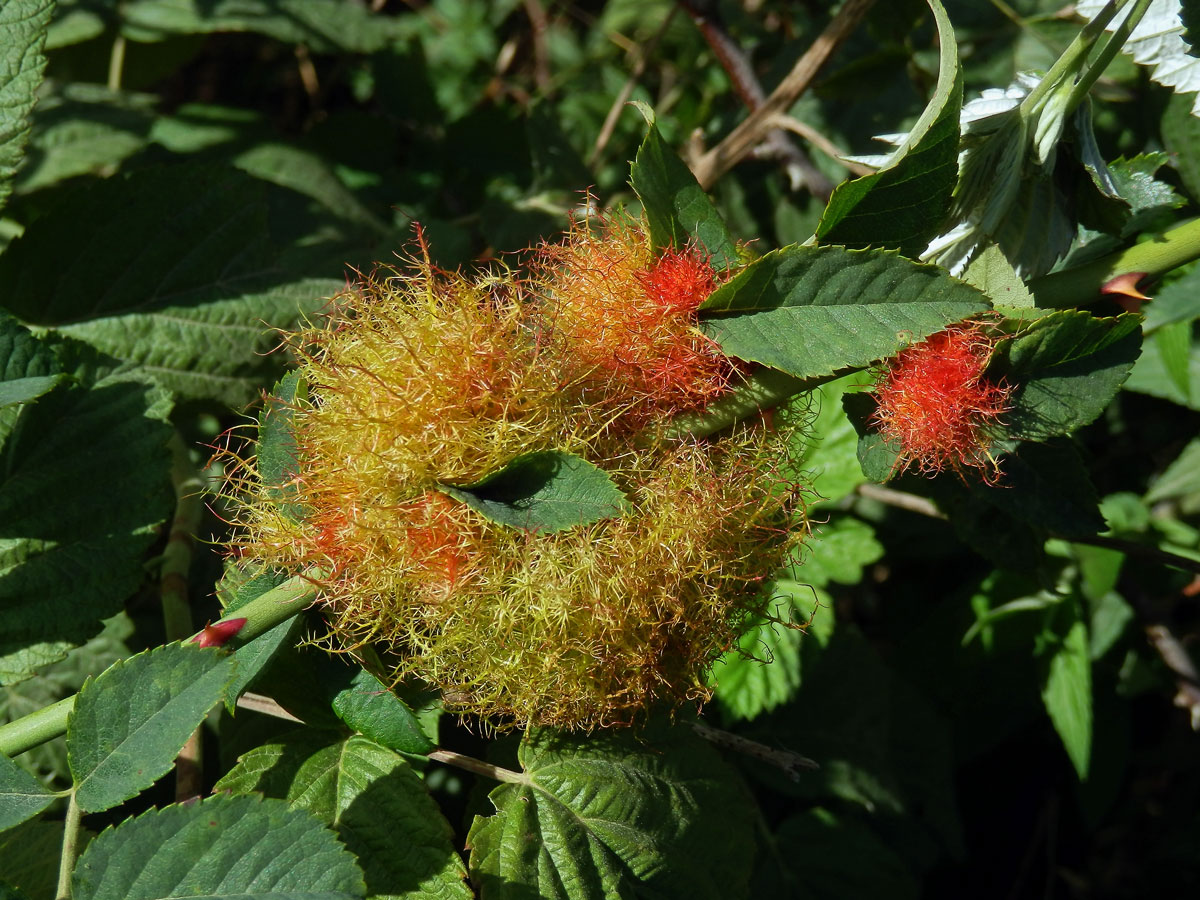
996	712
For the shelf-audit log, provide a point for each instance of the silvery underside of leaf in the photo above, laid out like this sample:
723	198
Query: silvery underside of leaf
1010	191
1157	41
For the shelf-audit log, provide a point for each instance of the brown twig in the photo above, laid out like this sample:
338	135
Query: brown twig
822	143
639	67
538	23
740	142
1169	648
900	500
800	169
790	762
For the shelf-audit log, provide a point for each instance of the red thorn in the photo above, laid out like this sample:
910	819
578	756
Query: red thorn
1125	291
216	635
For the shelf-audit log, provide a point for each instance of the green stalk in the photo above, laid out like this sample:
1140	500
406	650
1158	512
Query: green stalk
1072	59
1151	258
261	614
1110	49
66	863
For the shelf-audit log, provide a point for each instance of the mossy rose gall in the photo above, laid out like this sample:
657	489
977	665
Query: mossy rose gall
421	382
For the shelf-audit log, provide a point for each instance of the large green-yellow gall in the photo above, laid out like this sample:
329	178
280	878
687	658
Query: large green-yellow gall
421	384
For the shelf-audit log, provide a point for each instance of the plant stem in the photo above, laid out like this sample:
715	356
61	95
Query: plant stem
261	614
479	767
66	862
1152	258
1072	59
751	131
116	63
1110	49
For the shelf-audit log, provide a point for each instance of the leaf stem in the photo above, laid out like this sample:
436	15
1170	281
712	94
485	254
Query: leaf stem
261	614
1151	258
66	863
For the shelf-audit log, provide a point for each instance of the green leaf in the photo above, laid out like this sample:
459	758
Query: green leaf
616	815
129	723
367	706
1181	137
766	668
306	173
837	552
219	847
1048	486
276	453
879	458
324	26
1067	689
677	209
1066	367
69	554
838	857
28	366
23	390
880	743
172	270
23	24
1151	376
824	450
1174	302
48	761
812	311
84	129
21	795
544	492
903	204
29	857
1174	343
1181	478
372	797
992	273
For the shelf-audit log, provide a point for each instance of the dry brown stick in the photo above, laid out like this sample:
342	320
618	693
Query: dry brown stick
639	67
822	143
787	760
538	23
1176	658
754	129
800	169
900	500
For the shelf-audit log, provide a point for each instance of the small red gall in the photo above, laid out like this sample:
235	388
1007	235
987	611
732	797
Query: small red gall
937	408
